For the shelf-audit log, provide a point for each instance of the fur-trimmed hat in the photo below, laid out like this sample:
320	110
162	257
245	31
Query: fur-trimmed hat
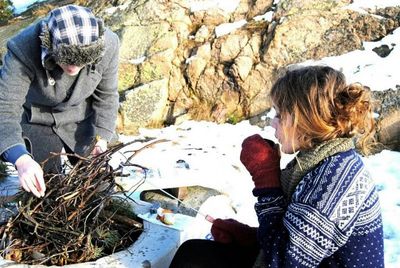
71	35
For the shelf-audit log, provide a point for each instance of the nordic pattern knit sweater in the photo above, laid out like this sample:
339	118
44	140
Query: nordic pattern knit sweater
332	220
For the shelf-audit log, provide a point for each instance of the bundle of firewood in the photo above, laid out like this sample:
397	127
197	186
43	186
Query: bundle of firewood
84	215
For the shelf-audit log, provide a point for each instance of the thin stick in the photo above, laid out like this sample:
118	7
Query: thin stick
207	217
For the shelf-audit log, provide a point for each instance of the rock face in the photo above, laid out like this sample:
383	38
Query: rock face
143	106
218	59
388	122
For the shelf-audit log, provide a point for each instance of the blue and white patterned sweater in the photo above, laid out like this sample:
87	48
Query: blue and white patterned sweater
332	220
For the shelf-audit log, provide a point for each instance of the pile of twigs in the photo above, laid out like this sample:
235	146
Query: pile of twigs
82	217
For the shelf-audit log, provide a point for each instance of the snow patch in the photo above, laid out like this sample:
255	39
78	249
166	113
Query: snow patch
226	28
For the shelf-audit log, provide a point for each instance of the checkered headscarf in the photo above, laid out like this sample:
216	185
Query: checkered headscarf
72	25
76	36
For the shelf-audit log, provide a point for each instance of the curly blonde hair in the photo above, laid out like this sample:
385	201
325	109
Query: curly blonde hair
323	106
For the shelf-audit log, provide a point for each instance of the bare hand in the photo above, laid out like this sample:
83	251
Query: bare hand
100	147
30	175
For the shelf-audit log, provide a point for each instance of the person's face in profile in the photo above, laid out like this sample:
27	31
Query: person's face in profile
285	132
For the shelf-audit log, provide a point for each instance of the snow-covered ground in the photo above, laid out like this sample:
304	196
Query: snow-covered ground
211	151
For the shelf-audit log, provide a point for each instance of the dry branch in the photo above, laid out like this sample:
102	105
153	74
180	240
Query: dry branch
78	220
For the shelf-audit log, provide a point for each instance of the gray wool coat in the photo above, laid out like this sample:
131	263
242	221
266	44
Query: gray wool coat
76	108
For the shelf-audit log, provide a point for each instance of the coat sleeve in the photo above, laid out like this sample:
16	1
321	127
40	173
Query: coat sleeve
312	227
15	78
105	97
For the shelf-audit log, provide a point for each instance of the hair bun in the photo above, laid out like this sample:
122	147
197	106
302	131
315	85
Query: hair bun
354	107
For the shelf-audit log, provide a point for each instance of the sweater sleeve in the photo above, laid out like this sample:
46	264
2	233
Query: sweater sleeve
319	219
12	154
106	98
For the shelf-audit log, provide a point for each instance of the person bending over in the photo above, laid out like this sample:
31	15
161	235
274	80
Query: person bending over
58	89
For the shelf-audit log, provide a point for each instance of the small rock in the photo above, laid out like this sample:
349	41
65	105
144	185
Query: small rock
383	51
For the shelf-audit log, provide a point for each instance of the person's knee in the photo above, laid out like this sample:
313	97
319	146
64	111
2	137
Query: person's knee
187	254
188	247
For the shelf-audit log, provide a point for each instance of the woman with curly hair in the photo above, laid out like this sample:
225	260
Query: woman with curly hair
323	209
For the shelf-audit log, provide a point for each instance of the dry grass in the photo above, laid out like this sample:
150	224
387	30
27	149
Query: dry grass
81	2
43	10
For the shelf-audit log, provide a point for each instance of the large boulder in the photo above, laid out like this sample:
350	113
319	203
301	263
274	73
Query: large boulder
388	120
220	60
144	105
